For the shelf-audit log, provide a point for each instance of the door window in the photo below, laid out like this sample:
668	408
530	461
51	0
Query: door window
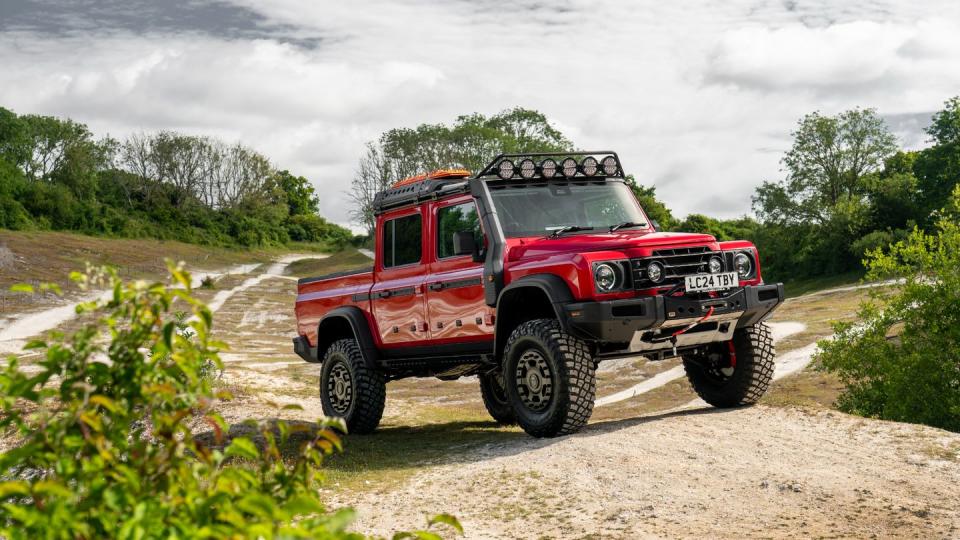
454	219
402	243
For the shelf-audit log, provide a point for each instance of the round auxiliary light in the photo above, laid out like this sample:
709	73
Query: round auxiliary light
609	165
548	168
655	272
589	166
716	265
605	277
569	167
744	264
528	169
506	169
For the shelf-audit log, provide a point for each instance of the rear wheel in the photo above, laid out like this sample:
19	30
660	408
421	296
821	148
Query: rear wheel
549	378
495	398
351	390
731	374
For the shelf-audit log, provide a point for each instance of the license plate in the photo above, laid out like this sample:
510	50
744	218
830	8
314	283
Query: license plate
712	282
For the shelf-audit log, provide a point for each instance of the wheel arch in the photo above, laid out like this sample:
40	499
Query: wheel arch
531	297
344	323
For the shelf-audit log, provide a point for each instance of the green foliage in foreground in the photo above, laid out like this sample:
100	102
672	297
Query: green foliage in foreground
106	444
902	361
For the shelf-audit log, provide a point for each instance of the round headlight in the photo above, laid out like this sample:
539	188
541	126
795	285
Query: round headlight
528	169
505	169
655	272
744	264
605	277
589	166
548	168
609	165
569	167
716	265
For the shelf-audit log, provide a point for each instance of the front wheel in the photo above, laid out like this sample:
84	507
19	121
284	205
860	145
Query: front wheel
549	378
351	390
733	373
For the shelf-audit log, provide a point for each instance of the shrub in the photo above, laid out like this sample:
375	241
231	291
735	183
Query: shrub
902	360
106	445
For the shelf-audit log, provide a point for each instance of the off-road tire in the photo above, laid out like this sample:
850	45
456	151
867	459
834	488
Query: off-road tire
495	399
751	376
572	375
369	388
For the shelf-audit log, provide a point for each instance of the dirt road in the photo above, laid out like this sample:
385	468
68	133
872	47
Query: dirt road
703	473
652	463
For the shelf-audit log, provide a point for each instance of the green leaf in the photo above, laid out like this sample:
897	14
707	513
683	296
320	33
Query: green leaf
22	287
447	519
242	447
17	487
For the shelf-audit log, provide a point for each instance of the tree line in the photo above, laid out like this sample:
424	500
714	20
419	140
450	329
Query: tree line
848	188
55	174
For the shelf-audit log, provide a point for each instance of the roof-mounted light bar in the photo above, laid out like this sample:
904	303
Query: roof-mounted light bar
552	165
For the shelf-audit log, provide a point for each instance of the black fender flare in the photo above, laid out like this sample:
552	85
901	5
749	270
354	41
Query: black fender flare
552	285
358	324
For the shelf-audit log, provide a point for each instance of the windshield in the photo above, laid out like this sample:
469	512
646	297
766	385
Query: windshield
542	209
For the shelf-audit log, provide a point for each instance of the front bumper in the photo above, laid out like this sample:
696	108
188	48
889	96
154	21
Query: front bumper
618	321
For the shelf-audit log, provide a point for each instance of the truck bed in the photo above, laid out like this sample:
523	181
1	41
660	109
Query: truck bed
316	296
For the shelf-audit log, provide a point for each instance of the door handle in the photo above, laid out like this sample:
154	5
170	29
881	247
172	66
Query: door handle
435	286
381	294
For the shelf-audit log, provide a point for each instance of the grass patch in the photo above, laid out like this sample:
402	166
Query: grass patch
799	287
396	452
804	389
348	259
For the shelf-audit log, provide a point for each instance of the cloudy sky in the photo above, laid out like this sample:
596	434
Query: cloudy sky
699	98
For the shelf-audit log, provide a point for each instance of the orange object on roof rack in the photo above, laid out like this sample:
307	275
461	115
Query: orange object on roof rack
439	173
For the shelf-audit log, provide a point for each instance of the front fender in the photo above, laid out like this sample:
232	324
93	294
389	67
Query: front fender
550	288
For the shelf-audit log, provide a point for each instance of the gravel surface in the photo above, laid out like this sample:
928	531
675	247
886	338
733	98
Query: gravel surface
755	472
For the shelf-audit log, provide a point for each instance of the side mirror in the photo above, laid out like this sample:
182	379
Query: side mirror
464	243
656	226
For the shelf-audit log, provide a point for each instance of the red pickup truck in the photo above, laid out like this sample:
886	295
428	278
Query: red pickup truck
527	274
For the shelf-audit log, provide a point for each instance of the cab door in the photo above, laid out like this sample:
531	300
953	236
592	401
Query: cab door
456	308
397	295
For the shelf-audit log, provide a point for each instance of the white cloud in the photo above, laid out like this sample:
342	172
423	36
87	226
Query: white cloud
699	99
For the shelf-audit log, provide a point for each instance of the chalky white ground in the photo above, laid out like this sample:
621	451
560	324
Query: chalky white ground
691	471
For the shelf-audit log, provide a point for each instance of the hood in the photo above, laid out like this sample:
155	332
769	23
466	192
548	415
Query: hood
616	241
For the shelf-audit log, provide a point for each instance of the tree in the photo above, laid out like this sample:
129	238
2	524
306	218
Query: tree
828	161
937	168
470	143
300	194
655	209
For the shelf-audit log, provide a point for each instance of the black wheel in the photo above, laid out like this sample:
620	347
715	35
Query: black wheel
349	389
725	380
549	378
495	398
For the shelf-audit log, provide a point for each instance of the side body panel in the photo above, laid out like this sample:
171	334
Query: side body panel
317	298
397	297
456	308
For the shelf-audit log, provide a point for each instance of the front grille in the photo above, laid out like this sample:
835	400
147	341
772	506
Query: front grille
677	263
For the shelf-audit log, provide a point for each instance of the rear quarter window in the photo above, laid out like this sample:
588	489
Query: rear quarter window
402	241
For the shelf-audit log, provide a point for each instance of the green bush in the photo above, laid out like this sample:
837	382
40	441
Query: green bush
902	360
106	444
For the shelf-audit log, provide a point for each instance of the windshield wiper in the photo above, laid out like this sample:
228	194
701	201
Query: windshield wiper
568	228
626	224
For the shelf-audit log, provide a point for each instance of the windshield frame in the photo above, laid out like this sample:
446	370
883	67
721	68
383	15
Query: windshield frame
629	199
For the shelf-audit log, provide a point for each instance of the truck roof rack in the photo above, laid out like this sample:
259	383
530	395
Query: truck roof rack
417	189
527	166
